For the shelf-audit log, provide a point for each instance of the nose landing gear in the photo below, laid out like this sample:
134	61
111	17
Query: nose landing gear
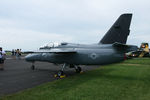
33	66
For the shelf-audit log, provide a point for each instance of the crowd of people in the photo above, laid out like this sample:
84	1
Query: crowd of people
14	53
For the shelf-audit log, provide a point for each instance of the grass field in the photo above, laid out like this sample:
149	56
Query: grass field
129	80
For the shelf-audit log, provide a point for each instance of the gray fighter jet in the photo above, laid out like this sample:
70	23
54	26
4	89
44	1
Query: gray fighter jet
110	49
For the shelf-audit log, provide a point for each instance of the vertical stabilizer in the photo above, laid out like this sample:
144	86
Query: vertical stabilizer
119	31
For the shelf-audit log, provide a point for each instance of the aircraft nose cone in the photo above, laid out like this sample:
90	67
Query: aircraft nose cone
31	57
28	57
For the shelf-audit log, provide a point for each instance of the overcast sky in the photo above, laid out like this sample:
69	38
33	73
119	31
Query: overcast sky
28	24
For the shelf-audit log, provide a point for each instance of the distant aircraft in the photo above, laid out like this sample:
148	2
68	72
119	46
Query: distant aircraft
110	49
143	51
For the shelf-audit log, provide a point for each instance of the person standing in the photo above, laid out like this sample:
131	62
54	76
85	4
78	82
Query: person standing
17	54
20	52
2	58
12	52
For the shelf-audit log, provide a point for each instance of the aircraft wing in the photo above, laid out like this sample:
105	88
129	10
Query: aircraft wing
57	50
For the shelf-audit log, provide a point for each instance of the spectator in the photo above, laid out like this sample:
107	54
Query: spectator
13	52
20	52
2	58
17	54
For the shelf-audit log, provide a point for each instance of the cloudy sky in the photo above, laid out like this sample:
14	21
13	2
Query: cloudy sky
28	24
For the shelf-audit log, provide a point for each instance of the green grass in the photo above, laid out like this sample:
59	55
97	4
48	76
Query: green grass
129	80
8	53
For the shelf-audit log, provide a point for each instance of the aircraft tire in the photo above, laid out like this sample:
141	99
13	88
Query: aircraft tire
60	73
78	70
33	67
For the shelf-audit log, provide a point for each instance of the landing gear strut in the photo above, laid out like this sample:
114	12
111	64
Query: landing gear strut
33	66
61	74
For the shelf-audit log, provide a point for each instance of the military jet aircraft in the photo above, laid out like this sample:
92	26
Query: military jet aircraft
111	49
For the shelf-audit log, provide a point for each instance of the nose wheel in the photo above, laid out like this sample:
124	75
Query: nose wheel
33	66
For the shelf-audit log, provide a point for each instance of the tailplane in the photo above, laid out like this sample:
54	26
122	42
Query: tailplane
119	31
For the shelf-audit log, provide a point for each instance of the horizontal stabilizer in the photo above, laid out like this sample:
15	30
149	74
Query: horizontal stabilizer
124	47
117	44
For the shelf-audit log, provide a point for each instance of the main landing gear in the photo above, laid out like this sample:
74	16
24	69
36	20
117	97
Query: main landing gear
61	74
78	69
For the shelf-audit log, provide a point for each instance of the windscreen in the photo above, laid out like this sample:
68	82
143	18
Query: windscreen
50	45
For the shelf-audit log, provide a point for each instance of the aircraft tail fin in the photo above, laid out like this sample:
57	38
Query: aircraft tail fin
119	31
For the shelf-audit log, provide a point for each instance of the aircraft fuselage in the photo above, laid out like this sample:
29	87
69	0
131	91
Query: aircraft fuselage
97	54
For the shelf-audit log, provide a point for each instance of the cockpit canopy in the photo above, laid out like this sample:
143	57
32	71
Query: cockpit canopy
52	45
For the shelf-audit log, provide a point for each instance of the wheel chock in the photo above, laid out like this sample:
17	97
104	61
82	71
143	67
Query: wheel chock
62	76
81	72
55	75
